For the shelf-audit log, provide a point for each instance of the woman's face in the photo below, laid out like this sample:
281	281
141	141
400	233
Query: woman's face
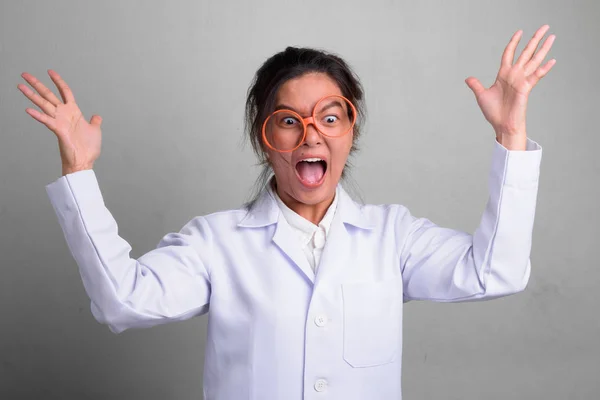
309	183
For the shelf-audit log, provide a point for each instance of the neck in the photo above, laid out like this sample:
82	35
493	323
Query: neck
311	212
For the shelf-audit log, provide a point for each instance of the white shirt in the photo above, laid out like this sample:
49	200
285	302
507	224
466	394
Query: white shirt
311	237
277	330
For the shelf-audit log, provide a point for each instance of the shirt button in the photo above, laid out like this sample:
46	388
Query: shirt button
319	239
321	385
321	320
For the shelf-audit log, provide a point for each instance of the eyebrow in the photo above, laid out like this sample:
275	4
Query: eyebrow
333	103
285	107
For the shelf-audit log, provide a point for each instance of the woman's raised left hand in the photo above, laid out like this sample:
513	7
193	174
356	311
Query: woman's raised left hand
504	103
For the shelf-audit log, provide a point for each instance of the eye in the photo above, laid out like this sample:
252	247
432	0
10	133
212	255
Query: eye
287	121
330	119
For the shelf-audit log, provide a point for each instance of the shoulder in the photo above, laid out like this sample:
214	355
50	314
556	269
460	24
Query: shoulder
384	214
380	217
223	221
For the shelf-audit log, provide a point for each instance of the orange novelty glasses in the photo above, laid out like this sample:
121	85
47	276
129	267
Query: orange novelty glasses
285	130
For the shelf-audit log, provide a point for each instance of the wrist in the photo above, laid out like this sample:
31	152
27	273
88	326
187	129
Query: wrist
70	170
512	142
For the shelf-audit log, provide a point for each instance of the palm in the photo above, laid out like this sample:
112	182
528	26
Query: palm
80	140
504	104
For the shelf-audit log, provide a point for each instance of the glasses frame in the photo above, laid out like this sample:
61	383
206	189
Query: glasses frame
307	121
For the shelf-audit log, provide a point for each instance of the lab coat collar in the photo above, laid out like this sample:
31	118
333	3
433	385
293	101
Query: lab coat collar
265	211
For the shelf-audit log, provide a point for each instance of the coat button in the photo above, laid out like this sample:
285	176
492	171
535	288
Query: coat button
321	320
321	385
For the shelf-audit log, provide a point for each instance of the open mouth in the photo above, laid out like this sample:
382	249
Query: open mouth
311	171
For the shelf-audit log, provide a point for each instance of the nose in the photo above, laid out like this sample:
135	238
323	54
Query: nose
313	137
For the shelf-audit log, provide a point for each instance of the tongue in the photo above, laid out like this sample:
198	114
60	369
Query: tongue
310	172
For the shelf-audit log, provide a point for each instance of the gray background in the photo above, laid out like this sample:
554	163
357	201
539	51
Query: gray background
169	79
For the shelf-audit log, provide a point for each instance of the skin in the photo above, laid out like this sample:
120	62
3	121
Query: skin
302	94
503	104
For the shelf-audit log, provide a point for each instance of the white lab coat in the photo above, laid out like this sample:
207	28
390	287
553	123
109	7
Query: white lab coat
275	330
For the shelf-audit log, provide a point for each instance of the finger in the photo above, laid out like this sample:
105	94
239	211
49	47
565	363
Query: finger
531	46
475	85
537	59
96	120
509	52
43	118
41	89
539	73
63	88
38	100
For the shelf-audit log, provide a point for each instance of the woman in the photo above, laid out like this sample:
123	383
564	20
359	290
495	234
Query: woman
305	286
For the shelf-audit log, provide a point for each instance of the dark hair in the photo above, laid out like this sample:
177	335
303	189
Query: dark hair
291	63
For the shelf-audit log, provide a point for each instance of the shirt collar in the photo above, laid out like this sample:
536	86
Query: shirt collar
265	211
303	226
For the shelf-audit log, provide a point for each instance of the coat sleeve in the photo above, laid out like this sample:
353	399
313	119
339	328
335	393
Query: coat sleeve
446	265
169	283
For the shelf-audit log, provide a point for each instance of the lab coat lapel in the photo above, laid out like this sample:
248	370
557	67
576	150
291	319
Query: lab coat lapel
337	253
265	212
287	241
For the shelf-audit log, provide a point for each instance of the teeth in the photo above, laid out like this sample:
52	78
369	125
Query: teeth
312	159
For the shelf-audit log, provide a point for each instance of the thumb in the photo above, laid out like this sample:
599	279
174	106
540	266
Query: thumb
96	120
475	85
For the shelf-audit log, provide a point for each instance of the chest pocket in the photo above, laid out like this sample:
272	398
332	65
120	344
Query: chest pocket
372	321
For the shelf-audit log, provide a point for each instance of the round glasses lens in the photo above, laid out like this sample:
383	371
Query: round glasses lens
334	116
284	130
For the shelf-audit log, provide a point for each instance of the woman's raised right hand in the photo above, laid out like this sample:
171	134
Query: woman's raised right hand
79	142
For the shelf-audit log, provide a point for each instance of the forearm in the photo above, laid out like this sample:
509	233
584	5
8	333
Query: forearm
443	264
126	293
502	242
